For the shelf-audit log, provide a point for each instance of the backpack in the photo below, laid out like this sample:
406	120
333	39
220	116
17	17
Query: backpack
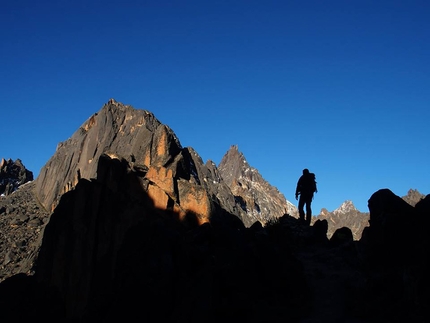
312	183
307	184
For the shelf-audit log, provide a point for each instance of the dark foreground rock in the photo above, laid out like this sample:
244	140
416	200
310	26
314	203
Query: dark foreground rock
110	254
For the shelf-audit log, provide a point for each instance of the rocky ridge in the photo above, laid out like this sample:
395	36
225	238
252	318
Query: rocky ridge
259	200
347	215
175	178
157	235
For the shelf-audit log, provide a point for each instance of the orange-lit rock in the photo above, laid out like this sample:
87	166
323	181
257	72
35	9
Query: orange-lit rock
158	197
163	178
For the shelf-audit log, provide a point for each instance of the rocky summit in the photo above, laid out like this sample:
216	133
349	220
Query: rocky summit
125	224
12	175
259	200
175	178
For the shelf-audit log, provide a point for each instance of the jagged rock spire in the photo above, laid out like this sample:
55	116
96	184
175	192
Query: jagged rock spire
117	130
12	175
260	200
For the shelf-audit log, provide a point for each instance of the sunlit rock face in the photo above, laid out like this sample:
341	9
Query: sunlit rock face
116	130
173	176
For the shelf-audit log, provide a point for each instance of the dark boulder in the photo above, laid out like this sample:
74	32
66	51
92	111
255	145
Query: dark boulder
341	236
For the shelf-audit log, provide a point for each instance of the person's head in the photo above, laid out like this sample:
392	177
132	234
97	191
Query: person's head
305	171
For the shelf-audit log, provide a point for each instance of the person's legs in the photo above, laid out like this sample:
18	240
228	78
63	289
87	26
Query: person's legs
300	207
308	211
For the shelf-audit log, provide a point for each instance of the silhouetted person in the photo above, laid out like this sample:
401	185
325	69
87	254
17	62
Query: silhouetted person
306	187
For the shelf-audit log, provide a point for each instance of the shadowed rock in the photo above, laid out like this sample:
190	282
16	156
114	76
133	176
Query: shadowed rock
108	247
395	252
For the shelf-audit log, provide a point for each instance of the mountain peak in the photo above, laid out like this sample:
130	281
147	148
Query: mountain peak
413	197
345	207
233	165
12	175
260	200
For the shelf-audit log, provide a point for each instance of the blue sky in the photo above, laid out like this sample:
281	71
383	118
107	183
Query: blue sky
339	87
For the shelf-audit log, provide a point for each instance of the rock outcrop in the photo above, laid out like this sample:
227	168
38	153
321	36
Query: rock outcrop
394	251
412	197
110	254
12	175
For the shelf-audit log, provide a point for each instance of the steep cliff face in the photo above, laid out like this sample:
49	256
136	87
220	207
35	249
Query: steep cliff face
116	130
258	199
174	177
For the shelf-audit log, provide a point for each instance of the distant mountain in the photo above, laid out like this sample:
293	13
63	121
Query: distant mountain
12	175
413	197
259	200
346	215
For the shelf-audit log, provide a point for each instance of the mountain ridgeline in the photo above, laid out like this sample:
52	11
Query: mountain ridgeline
125	224
175	177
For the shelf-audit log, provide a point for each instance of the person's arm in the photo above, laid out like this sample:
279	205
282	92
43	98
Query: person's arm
298	188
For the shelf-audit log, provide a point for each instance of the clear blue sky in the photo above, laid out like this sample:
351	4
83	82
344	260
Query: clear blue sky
339	87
